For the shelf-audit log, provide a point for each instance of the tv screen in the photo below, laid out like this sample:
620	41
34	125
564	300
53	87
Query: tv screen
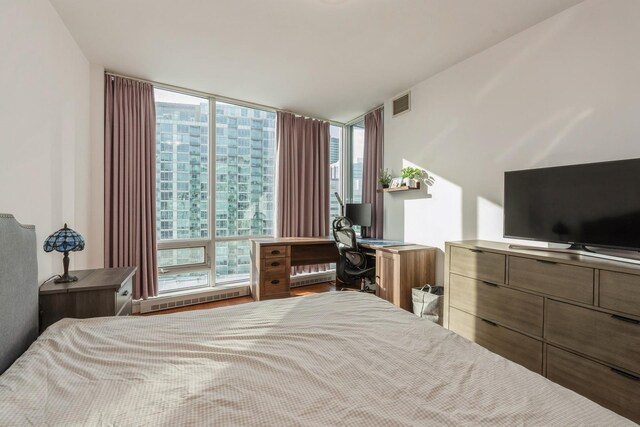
359	213
596	204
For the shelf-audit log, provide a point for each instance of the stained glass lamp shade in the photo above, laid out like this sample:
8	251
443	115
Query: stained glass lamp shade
65	240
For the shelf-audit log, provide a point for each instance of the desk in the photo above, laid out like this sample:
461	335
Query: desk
398	268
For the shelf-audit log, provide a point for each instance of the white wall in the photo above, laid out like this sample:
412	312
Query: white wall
564	91
45	178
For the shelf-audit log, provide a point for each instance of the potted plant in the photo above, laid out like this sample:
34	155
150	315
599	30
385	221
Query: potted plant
385	178
410	176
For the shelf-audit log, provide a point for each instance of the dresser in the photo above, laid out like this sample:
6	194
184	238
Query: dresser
96	293
573	319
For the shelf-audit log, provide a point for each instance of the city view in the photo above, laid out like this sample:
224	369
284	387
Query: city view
244	192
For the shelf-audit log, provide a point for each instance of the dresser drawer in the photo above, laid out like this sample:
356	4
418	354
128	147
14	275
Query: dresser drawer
509	307
274	284
273	251
598	382
123	297
275	265
512	345
478	264
620	292
611	339
556	279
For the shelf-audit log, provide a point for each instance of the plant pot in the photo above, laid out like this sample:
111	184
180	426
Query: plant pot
385	185
411	183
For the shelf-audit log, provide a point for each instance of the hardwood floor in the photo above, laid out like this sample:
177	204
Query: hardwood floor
295	292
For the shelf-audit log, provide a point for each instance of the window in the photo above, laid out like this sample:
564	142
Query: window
245	186
357	157
182	157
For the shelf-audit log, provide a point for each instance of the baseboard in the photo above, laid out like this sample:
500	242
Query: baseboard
166	302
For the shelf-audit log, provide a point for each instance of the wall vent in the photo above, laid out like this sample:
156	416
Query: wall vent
402	104
167	302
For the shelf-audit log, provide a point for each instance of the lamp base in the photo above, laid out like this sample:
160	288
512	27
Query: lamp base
66	279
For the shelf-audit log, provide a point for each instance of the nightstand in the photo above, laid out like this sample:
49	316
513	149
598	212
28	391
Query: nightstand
96	293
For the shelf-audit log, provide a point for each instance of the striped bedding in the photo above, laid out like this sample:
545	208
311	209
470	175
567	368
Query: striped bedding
343	358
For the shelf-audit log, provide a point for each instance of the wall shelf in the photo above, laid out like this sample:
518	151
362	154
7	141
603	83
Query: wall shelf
393	190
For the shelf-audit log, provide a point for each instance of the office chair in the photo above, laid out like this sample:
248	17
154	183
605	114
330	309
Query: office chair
352	264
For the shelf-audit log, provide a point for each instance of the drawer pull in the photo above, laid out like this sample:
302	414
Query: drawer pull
275	264
275	282
125	293
544	261
275	252
489	322
476	251
626	319
624	374
489	284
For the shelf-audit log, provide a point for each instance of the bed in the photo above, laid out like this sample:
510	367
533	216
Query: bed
343	358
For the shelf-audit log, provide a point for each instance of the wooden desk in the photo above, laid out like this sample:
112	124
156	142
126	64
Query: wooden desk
398	268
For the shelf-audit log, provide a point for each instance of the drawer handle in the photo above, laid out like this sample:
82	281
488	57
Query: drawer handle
544	261
489	322
489	284
476	251
275	282
125	293
275	252
626	319
624	374
275	264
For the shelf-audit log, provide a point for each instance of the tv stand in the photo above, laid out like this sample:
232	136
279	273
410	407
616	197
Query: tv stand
582	250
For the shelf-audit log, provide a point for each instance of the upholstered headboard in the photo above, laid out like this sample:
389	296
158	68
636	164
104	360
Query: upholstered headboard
18	289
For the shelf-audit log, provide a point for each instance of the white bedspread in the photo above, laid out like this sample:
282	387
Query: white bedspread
342	358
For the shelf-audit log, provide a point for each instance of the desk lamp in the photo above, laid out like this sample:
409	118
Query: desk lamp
64	240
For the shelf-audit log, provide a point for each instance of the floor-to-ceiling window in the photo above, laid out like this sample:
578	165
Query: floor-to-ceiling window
245	186
356	151
215	187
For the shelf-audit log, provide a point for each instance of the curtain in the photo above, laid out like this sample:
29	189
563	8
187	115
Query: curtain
372	164
130	172
302	198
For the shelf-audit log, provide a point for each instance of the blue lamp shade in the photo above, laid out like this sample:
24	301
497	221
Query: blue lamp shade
64	240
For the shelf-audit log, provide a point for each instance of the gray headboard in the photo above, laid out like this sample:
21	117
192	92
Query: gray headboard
18	289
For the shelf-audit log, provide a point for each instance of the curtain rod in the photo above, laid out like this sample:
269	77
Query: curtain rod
212	95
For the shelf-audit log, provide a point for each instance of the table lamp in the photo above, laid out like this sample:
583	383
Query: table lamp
64	240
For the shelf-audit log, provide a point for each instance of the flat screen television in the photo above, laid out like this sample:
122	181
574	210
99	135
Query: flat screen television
594	204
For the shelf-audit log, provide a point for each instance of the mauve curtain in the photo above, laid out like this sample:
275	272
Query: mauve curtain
130	173
302	197
372	163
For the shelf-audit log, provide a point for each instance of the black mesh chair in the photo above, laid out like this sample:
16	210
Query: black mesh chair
352	266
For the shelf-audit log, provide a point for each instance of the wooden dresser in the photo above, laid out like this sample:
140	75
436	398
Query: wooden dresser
96	293
573	319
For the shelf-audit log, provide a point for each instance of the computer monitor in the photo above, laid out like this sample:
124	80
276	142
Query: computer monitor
359	213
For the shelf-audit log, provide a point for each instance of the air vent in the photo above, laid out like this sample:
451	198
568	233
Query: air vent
168	302
402	104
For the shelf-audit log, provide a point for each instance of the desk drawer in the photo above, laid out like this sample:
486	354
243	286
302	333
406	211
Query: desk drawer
551	278
597	382
273	251
512	345
611	339
275	266
123	297
274	284
620	292
510	307
478	264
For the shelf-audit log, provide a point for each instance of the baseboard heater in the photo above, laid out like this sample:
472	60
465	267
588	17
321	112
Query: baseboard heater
312	278
165	303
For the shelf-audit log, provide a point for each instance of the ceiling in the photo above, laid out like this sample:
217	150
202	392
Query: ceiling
331	59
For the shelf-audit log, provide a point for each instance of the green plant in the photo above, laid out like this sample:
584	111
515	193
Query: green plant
411	172
385	177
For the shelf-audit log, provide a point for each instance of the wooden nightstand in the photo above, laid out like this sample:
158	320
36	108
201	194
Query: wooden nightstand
97	293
